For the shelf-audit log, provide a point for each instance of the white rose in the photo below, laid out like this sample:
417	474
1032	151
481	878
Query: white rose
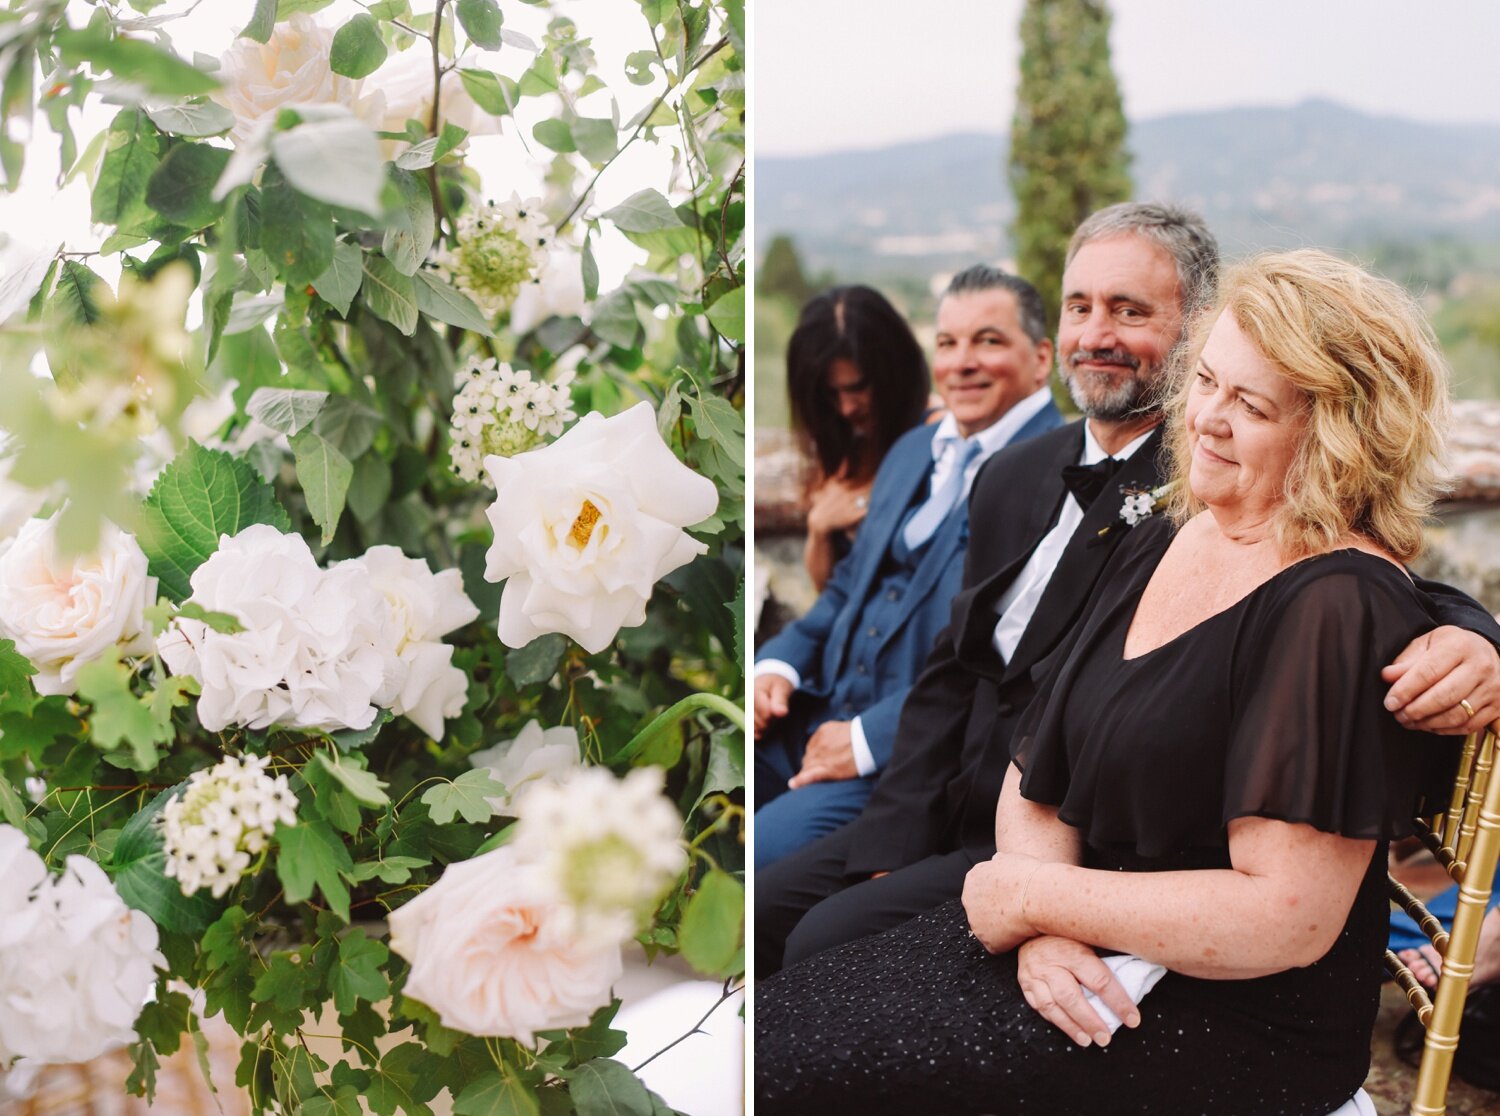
64	612
307	656
557	290
535	756
405	81
491	952
258	79
585	526
71	988
421	682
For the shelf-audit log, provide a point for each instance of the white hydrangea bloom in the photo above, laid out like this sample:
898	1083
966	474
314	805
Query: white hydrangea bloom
222	821
611	848
76	964
501	410
421	682
309	655
63	612
535	756
500	248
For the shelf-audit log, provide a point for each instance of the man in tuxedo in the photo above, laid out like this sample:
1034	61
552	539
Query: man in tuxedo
829	687
1047	516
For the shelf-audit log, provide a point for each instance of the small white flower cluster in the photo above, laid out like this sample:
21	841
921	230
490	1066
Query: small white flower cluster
211	831
321	649
503	411
528	937
610	847
76	964
500	247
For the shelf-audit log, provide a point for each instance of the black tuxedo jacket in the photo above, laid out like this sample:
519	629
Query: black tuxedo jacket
939	791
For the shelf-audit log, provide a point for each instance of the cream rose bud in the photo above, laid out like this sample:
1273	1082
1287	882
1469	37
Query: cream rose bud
534	757
65	611
291	68
586	526
491	952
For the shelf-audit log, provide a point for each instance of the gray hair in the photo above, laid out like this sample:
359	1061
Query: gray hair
1182	233
1029	307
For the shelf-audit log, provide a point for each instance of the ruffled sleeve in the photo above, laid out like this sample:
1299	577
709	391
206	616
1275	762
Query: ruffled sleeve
1310	739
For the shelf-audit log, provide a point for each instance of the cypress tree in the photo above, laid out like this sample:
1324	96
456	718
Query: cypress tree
1067	139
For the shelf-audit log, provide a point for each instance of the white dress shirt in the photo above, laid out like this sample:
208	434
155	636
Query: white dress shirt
947	445
1019	601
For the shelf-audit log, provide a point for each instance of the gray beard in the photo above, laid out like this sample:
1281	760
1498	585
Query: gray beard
1110	402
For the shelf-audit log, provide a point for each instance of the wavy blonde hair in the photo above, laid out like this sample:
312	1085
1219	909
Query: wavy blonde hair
1374	384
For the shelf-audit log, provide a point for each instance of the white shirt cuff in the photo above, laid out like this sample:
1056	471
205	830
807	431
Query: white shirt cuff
864	760
781	670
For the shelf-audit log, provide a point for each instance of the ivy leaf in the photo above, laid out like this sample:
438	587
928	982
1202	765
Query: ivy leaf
349	740
15	672
324	474
362	784
27	729
181	188
344	1102
119	716
285	410
12	808
409	233
465	796
340	283
391	869
201	495
390	295
356	974
728	314
644	211
437	299
581	1044
711	929
137	867
497	1094
394	1083
357	49
481	21
604	1087
312	854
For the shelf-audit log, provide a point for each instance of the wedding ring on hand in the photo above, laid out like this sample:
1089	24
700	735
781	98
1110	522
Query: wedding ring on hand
1469	709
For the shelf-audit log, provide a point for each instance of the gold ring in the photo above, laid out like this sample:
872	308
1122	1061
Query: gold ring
1469	709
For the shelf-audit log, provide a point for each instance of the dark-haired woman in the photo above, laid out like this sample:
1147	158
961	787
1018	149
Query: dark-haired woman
858	381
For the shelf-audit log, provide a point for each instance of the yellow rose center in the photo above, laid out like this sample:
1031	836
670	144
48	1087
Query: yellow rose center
583	526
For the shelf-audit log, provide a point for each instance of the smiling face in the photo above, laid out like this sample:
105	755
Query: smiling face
1121	315
1245	422
984	363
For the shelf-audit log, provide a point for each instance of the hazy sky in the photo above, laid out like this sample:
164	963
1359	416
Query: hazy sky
833	75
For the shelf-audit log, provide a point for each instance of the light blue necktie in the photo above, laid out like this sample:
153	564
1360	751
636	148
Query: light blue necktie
920	527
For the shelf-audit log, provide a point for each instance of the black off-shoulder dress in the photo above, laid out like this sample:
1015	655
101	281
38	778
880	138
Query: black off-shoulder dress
1271	708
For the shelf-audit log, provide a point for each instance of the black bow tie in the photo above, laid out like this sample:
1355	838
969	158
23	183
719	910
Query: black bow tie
1087	482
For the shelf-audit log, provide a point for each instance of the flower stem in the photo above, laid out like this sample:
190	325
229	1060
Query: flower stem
670	717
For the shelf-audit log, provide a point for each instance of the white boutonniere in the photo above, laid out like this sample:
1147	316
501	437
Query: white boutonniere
1139	504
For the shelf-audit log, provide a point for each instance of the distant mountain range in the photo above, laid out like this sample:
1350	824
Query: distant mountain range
1317	173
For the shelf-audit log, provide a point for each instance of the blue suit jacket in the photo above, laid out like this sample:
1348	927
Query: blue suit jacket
818	645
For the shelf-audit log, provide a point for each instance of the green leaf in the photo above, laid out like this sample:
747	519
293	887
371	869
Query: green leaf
12	808
296	232
465	796
390	295
496	94
288	8
391	869
135	60
644	211
130	157
597	140
496	1094
638	65
581	1044
357	974
419	156
409	233
537	661
604	1087
285	410
262	22
357	49
137	869
119	716
350	740
343	145
312	854
162	1021
615	319
324	474
203	118
481	21
370	488
362	784
181	187
713	924
450	138
437	299
340	283
394	1083
728	314
590	270
198	497
344	1102
349	425
74	300
555	134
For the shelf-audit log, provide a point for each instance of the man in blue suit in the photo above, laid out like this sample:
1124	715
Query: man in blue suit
829	688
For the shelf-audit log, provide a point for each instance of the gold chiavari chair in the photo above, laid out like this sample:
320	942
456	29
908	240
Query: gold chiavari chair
1465	839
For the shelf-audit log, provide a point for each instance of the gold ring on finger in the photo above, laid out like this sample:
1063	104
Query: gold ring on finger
1469	709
